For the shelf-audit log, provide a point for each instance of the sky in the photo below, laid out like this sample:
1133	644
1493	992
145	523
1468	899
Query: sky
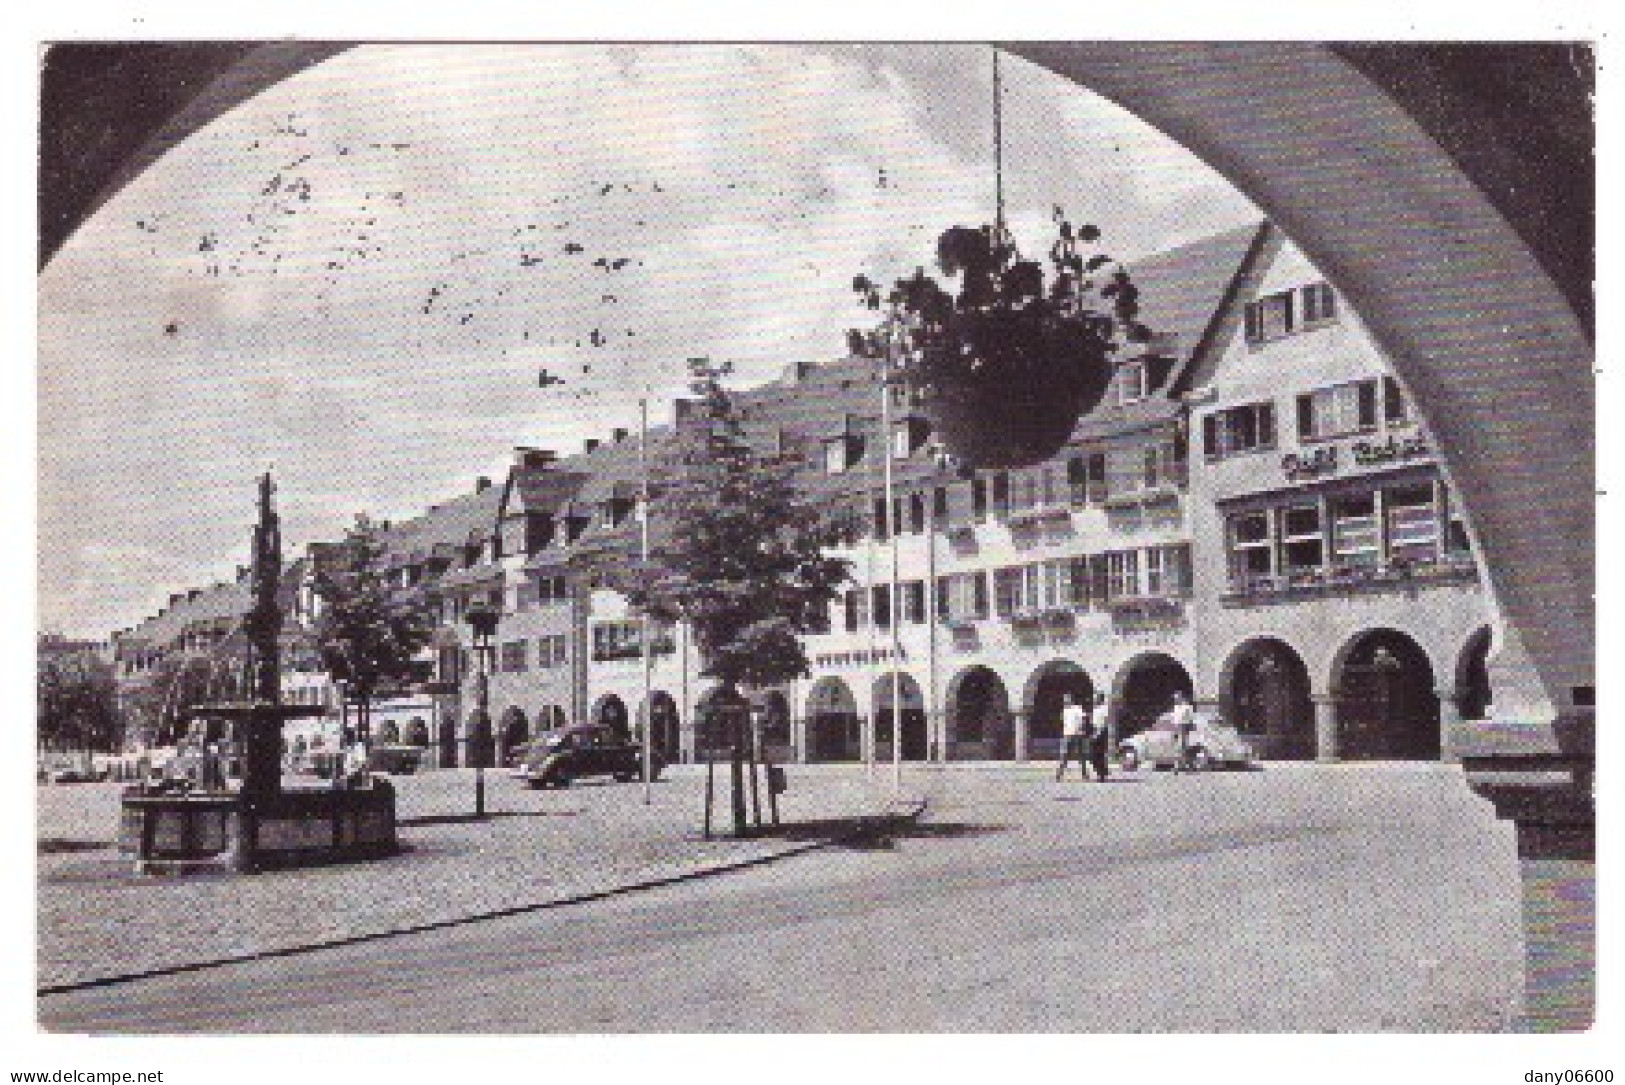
358	278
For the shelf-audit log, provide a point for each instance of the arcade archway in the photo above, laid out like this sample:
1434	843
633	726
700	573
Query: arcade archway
1473	697
833	729
665	729
1264	693
1386	704
1145	690
1046	693
980	726
910	706
610	711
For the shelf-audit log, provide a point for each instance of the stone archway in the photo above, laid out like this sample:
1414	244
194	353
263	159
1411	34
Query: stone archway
833	728
417	732
611	712
1264	693
1145	689
665	729
980	725
910	706
1473	697
1043	699
1386	704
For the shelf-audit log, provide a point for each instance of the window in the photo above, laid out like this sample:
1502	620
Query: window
1001	494
1086	479
978	499
512	660
1396	409
1056	589
880	523
854	610
842	453
1247	428
1131	380
1122	573
916	513
962	597
552	651
1339	410
1252	548
914	602
1269	318
1302	546
624	640
939	505
1413	524
538	533
1354	530
1319	304
881	606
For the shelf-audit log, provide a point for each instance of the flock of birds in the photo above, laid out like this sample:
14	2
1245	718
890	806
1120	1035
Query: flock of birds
463	287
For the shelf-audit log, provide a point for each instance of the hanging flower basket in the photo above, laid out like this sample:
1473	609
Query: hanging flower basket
1004	368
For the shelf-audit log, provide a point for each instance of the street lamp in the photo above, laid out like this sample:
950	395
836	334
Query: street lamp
482	623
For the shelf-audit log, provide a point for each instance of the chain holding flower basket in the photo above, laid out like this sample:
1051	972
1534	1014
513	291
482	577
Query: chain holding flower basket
1004	368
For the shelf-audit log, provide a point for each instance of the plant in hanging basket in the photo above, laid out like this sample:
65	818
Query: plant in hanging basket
1004	367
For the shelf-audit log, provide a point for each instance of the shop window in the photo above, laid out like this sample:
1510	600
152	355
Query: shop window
1354	531
1339	410
1302	545
1413	524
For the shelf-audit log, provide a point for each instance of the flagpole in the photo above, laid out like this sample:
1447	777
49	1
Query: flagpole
648	628
896	616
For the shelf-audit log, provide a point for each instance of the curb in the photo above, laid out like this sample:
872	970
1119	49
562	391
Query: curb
898	813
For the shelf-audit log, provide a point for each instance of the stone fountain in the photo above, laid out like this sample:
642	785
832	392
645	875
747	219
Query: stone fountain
258	823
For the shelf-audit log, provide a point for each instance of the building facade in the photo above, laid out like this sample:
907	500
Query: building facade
1254	517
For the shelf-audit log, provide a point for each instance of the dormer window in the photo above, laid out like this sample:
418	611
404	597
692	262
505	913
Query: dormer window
1133	381
538	532
842	453
908	436
1288	311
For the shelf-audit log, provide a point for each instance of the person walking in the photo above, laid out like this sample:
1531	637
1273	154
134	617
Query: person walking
1097	737
1183	718
1074	736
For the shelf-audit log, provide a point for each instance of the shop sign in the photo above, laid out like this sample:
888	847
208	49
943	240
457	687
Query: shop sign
1299	466
1369	453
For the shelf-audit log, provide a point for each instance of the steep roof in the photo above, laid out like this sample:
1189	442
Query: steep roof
449	525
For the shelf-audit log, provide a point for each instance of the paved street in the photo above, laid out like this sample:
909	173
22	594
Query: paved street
98	919
1296	898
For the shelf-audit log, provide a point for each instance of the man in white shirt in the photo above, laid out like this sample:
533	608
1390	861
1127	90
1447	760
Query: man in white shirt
1183	717
1074	737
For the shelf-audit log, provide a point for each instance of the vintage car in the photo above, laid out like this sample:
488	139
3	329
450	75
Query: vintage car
558	757
1212	742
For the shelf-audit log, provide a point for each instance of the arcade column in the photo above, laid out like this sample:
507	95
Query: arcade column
1020	724
1449	723
1325	726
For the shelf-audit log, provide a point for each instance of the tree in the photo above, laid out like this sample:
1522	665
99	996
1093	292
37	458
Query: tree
76	702
747	563
366	633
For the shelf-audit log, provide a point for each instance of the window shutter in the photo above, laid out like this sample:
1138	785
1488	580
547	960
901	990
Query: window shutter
1266	425
1287	301
1306	416
979	589
942	599
1254	332
1368	404
1210	436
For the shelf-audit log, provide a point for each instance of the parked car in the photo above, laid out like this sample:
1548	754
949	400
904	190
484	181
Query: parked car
558	757
1212	742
